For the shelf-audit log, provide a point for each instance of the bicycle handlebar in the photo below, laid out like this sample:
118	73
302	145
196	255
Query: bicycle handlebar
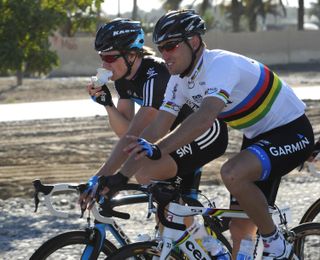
107	206
157	191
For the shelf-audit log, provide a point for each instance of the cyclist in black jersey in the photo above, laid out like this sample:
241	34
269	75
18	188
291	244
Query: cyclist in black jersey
141	78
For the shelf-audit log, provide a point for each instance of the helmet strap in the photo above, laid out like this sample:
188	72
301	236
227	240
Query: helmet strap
129	65
193	58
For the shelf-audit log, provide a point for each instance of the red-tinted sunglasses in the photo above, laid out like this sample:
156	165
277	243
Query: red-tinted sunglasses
169	46
110	58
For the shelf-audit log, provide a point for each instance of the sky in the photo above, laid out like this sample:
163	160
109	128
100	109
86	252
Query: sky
111	6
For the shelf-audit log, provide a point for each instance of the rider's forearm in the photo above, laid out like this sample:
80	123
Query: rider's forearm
117	157
115	160
118	121
159	127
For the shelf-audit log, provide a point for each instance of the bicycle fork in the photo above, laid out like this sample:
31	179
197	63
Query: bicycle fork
97	236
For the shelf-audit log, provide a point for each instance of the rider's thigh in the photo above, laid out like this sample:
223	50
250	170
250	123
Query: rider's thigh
162	169
245	166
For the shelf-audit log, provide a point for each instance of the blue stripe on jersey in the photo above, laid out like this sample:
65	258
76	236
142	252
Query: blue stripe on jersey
264	159
251	95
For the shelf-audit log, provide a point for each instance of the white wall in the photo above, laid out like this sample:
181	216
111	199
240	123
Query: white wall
77	56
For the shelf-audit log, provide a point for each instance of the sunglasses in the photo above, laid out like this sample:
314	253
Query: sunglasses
169	46
110	58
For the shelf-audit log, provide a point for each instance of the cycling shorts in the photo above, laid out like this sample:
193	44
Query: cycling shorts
207	147
280	150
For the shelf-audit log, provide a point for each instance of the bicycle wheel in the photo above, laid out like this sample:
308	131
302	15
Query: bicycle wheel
142	251
69	245
307	241
312	213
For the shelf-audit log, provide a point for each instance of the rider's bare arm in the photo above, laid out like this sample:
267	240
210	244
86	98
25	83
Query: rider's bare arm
196	124
142	119
159	127
121	116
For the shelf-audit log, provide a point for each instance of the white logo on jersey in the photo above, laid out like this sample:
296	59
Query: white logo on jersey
289	148
191	84
186	149
193	105
151	72
174	91
197	98
211	91
263	143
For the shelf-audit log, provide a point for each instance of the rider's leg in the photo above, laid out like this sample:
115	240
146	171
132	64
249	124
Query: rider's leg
239	174
162	169
239	229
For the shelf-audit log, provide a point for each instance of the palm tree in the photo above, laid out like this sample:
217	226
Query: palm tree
251	9
315	10
135	10
171	4
301	15
236	11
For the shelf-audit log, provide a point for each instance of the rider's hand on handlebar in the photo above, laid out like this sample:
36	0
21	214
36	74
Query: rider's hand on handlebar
109	185
88	197
101	95
103	185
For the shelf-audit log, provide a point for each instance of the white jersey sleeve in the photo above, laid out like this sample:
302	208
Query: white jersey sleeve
222	77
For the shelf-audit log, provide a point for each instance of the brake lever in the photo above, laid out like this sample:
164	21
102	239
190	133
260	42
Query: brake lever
150	206
36	200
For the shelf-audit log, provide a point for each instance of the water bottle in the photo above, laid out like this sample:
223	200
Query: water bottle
215	248
143	238
246	249
101	78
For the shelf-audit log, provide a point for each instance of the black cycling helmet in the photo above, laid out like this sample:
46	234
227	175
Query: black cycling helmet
178	24
120	34
123	35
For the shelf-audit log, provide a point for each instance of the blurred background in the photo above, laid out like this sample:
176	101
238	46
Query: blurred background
52	130
55	38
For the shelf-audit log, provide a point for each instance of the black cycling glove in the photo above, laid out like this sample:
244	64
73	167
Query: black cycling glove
105	99
114	183
153	151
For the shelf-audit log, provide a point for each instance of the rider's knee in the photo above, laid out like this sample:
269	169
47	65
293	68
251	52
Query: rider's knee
228	174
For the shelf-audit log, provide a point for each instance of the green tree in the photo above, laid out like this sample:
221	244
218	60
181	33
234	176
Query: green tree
25	27
251	10
315	10
76	15
300	14
171	4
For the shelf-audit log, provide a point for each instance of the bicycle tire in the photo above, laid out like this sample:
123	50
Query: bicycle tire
50	249
312	212
142	251
307	234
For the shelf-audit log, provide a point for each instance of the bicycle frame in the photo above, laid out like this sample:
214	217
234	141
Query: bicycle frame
102	224
185	240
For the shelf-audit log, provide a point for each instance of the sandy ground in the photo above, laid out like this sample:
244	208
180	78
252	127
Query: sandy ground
72	149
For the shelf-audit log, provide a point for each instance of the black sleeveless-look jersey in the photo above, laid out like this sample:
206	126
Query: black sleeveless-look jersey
148	86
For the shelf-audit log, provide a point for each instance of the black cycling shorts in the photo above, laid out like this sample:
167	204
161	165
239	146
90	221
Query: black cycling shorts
280	150
207	147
